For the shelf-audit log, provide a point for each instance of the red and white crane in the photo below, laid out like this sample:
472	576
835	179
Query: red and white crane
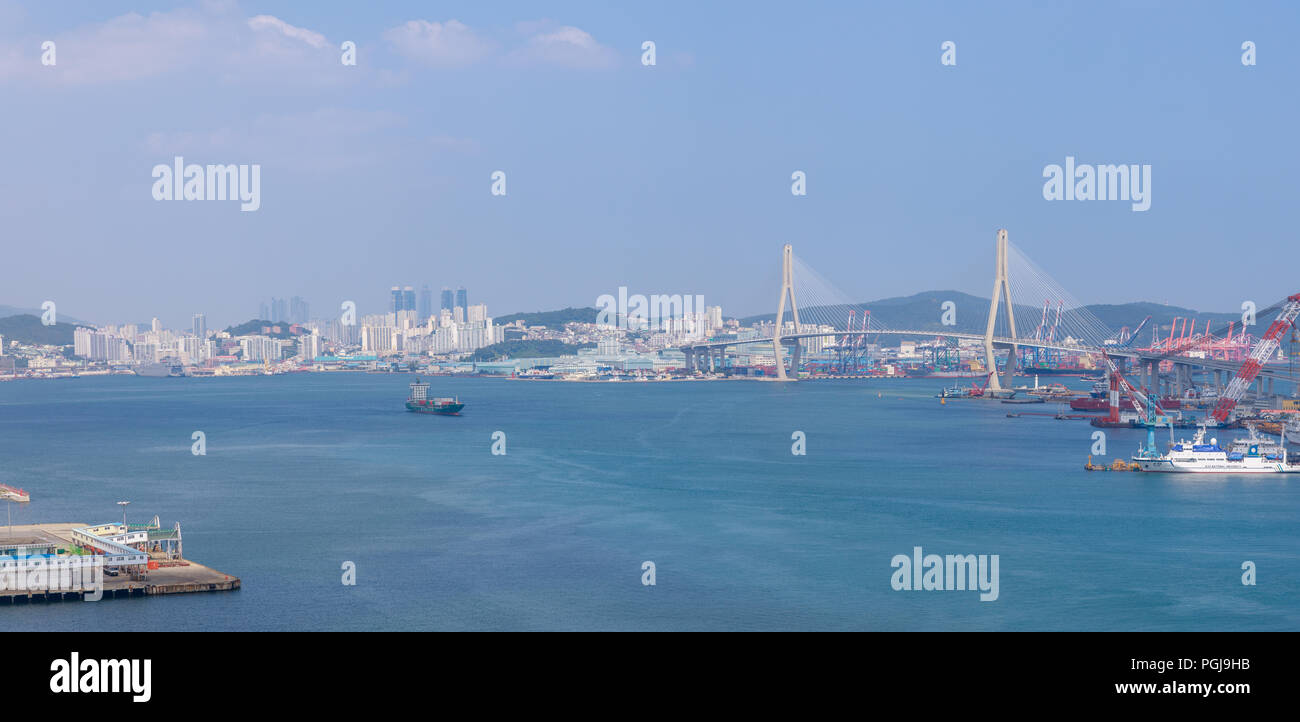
1266	347
1121	388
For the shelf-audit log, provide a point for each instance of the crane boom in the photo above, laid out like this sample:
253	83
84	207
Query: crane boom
1139	400
1136	331
1265	348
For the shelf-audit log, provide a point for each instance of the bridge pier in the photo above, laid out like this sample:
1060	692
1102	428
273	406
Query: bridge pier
787	288
1001	290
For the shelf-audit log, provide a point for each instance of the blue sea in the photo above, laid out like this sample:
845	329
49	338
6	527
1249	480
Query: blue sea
306	472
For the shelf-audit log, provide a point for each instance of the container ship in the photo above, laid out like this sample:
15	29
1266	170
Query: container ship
420	403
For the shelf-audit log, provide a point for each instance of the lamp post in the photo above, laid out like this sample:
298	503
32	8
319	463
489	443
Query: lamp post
123	505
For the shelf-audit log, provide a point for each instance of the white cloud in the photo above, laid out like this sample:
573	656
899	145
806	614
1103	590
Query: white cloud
272	24
214	40
443	44
565	46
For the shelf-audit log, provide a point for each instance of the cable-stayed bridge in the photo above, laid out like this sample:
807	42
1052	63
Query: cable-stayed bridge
820	311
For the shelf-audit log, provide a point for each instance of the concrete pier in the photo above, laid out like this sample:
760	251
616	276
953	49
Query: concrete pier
173	576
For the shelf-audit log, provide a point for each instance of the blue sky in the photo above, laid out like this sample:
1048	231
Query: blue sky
666	179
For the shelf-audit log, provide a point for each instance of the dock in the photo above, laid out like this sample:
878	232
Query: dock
162	575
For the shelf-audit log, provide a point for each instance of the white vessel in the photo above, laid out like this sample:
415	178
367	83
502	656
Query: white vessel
1292	431
1251	455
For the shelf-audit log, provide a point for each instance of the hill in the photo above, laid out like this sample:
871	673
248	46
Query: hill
551	319
542	348
27	328
16	311
255	326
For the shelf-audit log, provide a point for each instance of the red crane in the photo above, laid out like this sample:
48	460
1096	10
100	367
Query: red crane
1266	347
1121	388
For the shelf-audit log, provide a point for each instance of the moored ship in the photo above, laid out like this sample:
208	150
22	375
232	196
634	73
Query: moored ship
1251	455
420	403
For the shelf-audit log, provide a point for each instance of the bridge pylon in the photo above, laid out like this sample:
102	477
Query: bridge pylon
1001	292
787	286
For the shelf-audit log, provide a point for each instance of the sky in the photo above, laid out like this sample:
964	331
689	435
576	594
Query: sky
671	178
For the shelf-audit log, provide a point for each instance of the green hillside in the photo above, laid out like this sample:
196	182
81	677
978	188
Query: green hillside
27	328
550	319
255	326
542	348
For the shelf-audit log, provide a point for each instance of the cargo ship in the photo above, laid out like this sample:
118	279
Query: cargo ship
420	403
9	493
160	370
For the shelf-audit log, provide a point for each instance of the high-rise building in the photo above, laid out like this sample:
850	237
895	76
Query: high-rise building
379	339
426	302
200	325
260	348
157	325
395	299
263	312
462	297
448	300
309	346
299	312
408	299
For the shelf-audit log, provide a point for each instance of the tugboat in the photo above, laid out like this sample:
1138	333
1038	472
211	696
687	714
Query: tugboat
420	403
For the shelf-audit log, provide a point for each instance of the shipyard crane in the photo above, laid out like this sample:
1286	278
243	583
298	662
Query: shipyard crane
1051	335
1125	342
1038	332
1266	347
1146	406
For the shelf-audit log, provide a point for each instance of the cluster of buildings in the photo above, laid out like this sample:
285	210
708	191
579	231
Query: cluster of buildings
419	328
128	343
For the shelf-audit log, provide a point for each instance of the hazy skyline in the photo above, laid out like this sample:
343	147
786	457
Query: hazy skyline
666	179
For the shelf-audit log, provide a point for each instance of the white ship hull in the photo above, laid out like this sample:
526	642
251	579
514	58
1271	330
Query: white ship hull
1216	467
